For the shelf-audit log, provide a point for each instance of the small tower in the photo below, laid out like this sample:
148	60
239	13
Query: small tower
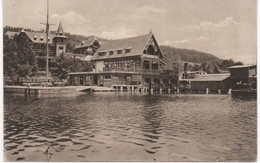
60	41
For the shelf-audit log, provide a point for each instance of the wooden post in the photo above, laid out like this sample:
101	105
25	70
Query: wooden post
169	91
178	91
151	90
219	91
229	91
207	91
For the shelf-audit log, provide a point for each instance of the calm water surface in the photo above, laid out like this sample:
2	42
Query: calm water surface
130	127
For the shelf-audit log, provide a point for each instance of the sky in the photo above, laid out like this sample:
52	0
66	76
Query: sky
224	28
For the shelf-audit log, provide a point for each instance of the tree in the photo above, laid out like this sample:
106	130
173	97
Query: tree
61	67
80	66
19	59
238	63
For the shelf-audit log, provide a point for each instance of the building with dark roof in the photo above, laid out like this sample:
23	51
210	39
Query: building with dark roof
243	77
135	60
38	40
87	47
213	82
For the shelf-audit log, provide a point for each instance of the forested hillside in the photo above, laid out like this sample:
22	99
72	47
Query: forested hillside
196	60
188	55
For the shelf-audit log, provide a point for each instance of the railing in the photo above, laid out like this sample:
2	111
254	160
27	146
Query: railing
132	70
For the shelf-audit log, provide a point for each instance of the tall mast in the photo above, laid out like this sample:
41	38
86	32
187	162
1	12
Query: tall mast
47	47
47	39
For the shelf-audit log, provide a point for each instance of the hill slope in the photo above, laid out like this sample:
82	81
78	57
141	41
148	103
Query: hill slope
187	55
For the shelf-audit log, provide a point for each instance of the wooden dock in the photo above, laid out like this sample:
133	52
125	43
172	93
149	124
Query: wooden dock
39	90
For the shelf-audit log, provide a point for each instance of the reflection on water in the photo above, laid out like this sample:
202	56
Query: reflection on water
130	127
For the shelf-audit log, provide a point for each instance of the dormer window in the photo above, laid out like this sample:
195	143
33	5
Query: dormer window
127	50
60	33
119	51
48	38
35	37
102	53
111	53
41	38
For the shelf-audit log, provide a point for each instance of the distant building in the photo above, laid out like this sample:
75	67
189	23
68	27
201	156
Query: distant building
11	34
87	47
192	74
213	82
38	40
243	77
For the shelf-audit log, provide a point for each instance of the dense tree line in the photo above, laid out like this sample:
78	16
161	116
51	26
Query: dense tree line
196	60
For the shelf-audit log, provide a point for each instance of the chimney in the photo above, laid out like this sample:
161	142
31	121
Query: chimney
185	66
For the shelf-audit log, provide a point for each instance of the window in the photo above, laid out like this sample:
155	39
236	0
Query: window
155	66
127	50
102	53
61	47
150	50
111	53
146	65
107	76
119	52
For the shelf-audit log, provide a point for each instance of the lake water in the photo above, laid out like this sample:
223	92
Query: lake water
130	127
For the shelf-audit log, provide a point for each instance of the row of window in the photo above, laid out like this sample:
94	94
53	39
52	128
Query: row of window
127	64
39	46
35	38
113	52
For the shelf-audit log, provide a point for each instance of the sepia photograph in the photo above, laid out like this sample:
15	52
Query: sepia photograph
129	80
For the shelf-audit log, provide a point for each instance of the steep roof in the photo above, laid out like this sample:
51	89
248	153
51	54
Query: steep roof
87	43
242	66
212	77
60	30
38	36
136	44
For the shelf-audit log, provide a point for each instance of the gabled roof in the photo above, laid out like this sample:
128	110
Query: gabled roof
38	36
242	66
11	33
136	44
212	77
87	43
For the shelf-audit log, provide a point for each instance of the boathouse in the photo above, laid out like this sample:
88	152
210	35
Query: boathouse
243	76
130	61
213	82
